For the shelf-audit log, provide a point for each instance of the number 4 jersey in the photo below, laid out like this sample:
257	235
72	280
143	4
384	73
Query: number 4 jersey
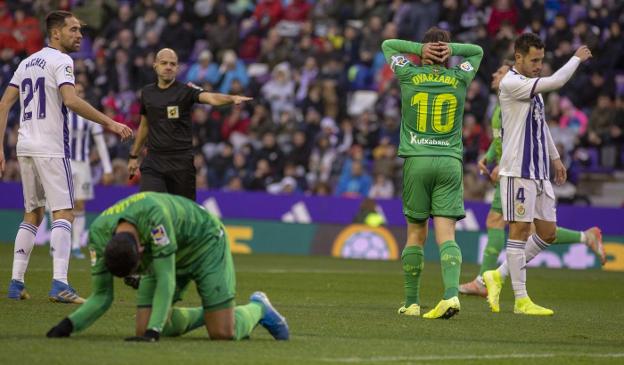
432	99
43	129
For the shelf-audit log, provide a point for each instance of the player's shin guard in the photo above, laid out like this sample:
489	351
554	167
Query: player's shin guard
183	320
246	318
516	259
412	260
450	260
496	242
24	243
60	244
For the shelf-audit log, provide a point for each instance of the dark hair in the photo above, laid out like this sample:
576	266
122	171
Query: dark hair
525	41
435	34
56	19
121	255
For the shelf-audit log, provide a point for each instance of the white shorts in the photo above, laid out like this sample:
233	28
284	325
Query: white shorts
524	200
81	172
46	179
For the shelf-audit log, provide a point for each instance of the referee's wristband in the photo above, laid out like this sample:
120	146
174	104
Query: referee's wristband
133	157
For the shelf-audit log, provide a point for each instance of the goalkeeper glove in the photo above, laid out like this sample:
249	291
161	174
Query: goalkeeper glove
148	336
63	329
132	281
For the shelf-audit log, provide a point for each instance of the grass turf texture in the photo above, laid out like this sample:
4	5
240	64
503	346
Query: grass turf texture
339	311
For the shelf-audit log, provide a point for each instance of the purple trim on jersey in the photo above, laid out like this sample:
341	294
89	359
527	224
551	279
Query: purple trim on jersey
533	88
526	155
535	147
70	180
73	142
66	83
65	131
15	86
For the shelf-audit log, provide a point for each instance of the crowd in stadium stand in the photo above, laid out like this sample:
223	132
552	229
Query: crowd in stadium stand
326	113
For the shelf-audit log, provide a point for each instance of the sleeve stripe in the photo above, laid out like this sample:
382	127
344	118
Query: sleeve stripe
12	84
533	88
66	83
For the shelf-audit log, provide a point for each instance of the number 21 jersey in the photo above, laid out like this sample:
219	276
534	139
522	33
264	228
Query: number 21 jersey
43	130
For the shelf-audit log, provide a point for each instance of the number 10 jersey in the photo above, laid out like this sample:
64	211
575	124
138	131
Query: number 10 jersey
43	130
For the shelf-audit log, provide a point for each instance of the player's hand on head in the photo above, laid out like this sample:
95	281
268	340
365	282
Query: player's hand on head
583	53
432	52
148	336
560	172
445	50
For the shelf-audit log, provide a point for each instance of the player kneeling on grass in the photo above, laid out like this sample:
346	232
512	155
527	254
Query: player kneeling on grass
170	241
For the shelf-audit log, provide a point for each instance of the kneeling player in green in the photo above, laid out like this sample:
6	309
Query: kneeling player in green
431	143
170	241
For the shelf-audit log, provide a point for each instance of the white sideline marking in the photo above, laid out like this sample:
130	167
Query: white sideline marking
466	357
252	271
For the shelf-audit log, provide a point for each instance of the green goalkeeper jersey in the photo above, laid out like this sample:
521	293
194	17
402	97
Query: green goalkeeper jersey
432	98
175	233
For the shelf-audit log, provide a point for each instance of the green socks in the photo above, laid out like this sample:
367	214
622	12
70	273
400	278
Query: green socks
450	260
496	242
246	317
565	236
183	320
413	262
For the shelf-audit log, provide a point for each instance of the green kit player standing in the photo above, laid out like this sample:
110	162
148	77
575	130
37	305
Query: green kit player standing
170	241
495	224
431	143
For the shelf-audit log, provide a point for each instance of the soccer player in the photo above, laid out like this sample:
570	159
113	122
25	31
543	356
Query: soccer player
171	241
527	148
81	132
44	84
431	123
166	124
495	224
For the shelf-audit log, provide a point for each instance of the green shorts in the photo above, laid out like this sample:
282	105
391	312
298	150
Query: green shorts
433	187
213	275
496	202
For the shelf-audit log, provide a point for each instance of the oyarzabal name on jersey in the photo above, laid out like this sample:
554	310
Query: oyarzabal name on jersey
433	142
444	79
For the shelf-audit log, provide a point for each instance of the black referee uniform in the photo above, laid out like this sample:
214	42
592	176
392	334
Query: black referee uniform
168	166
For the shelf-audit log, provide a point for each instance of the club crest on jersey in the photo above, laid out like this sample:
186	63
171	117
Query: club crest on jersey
92	256
400	61
466	66
173	112
520	210
159	235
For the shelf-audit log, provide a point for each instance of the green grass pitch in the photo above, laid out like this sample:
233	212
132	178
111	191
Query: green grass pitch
340	312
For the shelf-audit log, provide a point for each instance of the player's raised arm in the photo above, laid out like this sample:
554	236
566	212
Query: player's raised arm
221	99
11	94
563	75
471	53
85	110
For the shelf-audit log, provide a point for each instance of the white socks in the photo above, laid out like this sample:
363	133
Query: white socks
534	245
60	244
78	228
516	260
24	243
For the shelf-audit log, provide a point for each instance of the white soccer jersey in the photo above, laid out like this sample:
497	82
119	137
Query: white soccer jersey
525	134
81	131
43	127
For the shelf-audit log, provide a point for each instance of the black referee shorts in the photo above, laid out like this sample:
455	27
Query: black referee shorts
173	174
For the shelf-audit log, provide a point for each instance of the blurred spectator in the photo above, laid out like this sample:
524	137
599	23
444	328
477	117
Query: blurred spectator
321	161
572	118
475	139
355	184
279	91
204	70
149	21
231	69
382	188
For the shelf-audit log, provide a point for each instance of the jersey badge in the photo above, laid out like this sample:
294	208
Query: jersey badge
159	235
466	66
173	112
69	72
399	61
92	256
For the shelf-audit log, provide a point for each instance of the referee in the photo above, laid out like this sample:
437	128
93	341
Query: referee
166	124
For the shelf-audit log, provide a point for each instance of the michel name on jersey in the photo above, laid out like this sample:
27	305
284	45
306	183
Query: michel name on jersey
40	62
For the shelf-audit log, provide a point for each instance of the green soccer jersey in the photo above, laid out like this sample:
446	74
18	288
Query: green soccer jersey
495	151
175	233
432	98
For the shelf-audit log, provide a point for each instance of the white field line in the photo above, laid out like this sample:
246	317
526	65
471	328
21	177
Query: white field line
382	359
252	271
